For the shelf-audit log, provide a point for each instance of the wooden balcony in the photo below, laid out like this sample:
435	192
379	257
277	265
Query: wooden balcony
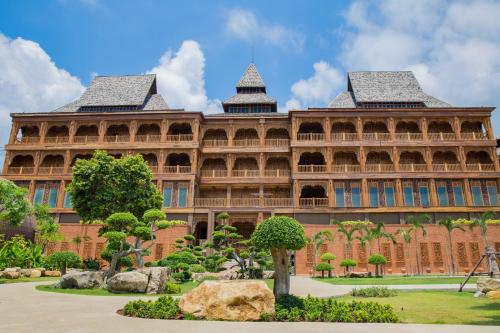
311	168
84	139
277	173
446	167
409	136
147	138
480	167
246	143
56	139
116	138
410	167
52	170
245	173
177	169
473	136
313	202
377	136
244	202
379	168
23	170
215	173
310	136
344	168
344	136
442	136
278	202
277	142
214	143
179	137
210	202
27	140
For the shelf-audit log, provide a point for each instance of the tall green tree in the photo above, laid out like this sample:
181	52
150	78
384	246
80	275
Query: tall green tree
418	222
47	229
104	185
482	224
450	225
351	230
406	234
377	232
317	240
14	204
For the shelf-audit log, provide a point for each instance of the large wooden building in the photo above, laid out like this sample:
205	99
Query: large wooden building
381	150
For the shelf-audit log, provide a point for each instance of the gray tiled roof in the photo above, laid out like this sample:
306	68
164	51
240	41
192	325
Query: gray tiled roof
259	98
343	100
155	102
251	78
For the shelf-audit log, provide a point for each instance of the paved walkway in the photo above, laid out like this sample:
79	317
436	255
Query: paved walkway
24	309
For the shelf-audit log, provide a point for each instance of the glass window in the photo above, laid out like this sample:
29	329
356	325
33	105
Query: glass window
167	197
442	195
408	195
493	195
424	196
339	197
373	193
38	199
67	200
477	196
52	198
356	197
458	195
182	199
389	195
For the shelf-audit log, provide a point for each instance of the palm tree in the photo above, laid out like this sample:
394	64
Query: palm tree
481	222
348	230
407	237
449	224
418	222
377	232
317	240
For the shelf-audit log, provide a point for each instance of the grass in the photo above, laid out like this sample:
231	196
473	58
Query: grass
397	280
40	279
440	307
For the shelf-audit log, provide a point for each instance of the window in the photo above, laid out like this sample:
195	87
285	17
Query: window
38	199
423	192
373	193
408	194
458	195
67	200
389	194
339	196
492	193
356	196
442	195
167	197
182	197
477	196
52	198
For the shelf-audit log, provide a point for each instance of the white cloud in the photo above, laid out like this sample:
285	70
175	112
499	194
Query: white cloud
243	24
181	79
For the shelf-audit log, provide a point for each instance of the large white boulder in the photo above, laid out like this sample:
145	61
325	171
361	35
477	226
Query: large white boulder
157	277
82	280
128	282
488	284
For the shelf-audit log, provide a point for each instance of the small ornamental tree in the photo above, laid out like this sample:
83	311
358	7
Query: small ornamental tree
47	229
327	256
322	267
347	264
14	204
377	260
63	260
279	234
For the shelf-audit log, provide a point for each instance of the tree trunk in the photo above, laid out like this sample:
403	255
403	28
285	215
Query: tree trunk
112	266
378	243
63	268
417	252
281	276
408	259
450	248
377	272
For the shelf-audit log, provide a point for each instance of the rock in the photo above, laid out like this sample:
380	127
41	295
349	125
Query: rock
479	294
35	273
128	282
202	276
52	273
25	272
358	274
229	274
41	269
268	275
12	269
229	300
11	275
488	284
157	277
82	280
493	294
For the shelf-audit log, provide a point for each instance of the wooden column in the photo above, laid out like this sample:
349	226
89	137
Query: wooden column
228	195
31	190
489	128
296	193
428	158
196	130
295	160
433	194
392	129
164	130
456	126
6	162
294	129
230	135
359	128
132	130
229	165
67	162
43	131
461	158
494	158
329	160
331	194
61	193
399	194
365	200
194	161
262	133
328	129
467	192
395	158
13	132
362	159
161	161
191	193
72	131
262	162
102	130
37	161
424	129
210	226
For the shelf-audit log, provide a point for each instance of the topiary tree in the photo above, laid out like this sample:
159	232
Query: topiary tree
377	260
322	267
14	204
280	234
347	264
63	260
327	256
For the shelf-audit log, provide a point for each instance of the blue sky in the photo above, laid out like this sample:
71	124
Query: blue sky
50	50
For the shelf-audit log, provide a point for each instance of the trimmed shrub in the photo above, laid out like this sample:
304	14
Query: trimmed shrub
164	307
347	264
172	288
377	260
62	260
327	256
92	264
373	292
322	267
197	268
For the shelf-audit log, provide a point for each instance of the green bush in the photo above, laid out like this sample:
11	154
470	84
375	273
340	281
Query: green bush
62	260
151	264
327	256
172	288
322	267
348	263
373	292
92	264
197	268
183	276
164	307
377	260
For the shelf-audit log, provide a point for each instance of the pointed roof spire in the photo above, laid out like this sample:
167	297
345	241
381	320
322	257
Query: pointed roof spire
251	78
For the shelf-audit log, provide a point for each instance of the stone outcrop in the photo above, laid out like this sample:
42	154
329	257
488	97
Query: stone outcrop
494	294
128	282
157	277
488	284
229	300
25	272
82	280
52	273
11	275
35	273
229	274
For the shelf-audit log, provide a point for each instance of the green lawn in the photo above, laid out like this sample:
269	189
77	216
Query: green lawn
388	280
441	307
40	279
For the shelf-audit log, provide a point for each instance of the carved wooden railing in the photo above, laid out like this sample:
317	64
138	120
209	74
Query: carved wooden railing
244	202
410	167
277	142
474	136
409	136
210	202
27	140
343	136
177	169
310	136
52	170
442	136
154	168
56	139
379	167
480	167
278	202
311	168
147	138
116	138
446	167
245	173
179	137
246	142
313	202
277	173
215	173
377	136
86	139
21	170
214	143
346	168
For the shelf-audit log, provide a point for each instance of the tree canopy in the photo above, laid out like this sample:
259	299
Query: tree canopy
279	232
14	204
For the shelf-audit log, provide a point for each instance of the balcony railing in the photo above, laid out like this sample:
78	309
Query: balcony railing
344	136
245	202
312	168
56	139
313	202
346	168
410	167
179	137
27	140
310	136
277	142
377	136
116	138
53	170
245	173
210	202
23	170
154	168
474	136
480	167
147	138
446	167
215	173
215	143
278	202
86	139
246	142
409	136
177	169
379	167
442	136
277	173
